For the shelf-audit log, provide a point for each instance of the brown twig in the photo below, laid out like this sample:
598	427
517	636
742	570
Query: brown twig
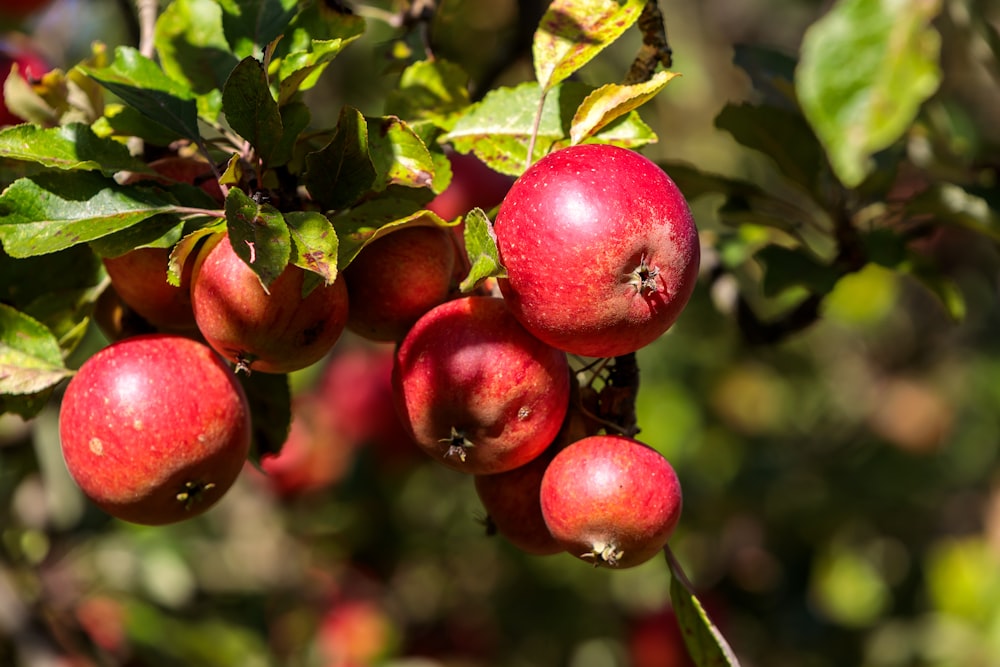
655	49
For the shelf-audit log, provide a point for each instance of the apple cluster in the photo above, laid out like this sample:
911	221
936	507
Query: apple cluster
599	254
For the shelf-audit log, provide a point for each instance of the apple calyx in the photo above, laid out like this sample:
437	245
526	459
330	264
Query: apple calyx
243	362
604	554
458	445
192	493
643	278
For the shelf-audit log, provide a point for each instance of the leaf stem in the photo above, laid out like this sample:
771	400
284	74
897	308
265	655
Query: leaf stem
534	129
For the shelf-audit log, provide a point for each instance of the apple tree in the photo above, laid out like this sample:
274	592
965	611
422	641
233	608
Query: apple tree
322	326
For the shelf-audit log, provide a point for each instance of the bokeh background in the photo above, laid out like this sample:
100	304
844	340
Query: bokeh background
842	496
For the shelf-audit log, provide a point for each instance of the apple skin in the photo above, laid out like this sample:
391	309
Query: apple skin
30	64
182	169
611	500
140	279
396	279
475	390
155	428
600	249
278	332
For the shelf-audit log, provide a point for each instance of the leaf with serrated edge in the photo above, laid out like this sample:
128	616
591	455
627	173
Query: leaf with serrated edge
892	51
612	101
250	108
70	147
498	129
372	220
57	210
705	644
481	247
30	357
259	236
314	243
140	83
340	172
399	156
572	32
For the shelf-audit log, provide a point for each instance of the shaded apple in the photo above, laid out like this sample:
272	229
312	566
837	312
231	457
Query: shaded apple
477	392
611	500
155	428
473	185
397	278
279	331
600	250
139	277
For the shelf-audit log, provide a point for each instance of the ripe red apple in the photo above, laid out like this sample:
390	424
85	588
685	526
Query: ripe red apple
355	388
140	279
511	500
477	392
278	332
155	428
397	278
611	500
600	249
30	64
655	639
354	632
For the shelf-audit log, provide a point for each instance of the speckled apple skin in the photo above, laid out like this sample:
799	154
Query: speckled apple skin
151	417
611	492
571	232
278	332
468	365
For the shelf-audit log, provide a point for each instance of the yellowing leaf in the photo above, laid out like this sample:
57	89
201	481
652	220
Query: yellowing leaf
613	101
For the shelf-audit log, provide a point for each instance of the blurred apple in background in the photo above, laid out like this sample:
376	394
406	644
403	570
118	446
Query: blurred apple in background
473	184
16	49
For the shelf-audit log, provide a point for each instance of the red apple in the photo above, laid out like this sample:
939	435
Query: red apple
396	279
155	428
511	500
139	277
477	392
278	332
611	500
600	250
182	169
30	64
655	640
355	387
355	633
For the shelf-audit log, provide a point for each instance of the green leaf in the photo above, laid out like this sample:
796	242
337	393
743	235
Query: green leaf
573	32
705	643
295	118
250	25
481	247
250	108
259	235
30	358
192	49
794	267
865	69
950	203
399	156
158	231
772	74
782	135
431	90
53	211
339	173
611	101
300	70
314	243
269	396
499	128
374	219
70	147
124	121
140	82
